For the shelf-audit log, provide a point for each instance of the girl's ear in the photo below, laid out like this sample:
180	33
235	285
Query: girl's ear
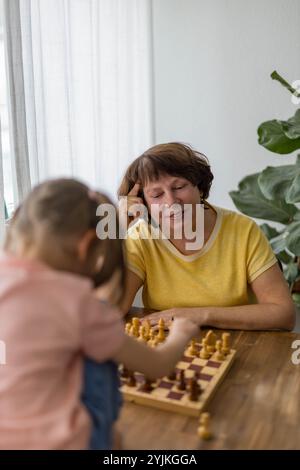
85	243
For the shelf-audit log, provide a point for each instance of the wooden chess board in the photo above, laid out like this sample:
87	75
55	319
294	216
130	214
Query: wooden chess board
165	394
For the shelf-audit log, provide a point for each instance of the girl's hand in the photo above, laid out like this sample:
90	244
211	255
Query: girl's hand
185	327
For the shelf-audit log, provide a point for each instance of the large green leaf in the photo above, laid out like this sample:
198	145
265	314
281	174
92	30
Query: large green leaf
296	298
291	272
269	231
291	127
293	238
250	200
293	194
276	182
284	257
278	243
280	136
297	215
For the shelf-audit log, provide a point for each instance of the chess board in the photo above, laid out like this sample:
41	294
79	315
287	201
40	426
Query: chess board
165	394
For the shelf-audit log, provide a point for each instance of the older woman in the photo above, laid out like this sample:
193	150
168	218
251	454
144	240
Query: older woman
209	283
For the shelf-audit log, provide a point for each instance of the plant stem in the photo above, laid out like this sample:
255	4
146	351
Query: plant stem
284	83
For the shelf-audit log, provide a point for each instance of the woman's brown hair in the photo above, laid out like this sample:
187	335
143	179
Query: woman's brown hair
176	159
53	217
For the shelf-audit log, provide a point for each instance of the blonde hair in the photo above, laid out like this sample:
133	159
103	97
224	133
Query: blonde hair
53	218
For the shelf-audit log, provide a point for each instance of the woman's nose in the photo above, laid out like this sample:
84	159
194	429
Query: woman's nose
170	199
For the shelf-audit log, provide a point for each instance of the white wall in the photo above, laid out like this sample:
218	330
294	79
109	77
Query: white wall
213	60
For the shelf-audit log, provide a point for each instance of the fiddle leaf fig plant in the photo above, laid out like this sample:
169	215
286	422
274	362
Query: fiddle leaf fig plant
274	193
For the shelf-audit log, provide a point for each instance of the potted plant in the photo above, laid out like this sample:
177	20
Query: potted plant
274	193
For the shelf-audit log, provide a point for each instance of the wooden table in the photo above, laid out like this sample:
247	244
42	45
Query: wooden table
256	407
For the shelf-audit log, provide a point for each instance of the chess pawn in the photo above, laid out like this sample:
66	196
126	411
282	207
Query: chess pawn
147	326
135	328
172	376
225	343
131	380
211	341
152	342
147	385
204	428
219	354
142	336
161	332
125	372
192	351
128	328
204	353
181	380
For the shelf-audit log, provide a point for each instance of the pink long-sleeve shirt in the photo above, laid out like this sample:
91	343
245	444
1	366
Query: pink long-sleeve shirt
48	321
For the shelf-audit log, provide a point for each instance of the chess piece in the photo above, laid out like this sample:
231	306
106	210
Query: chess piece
135	328
147	385
152	342
124	372
147	326
181	380
142	337
204	428
194	390
204	353
226	343
172	375
211	341
128	328
219	354
131	381
161	331
192	351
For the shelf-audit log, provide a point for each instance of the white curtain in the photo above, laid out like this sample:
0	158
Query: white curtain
87	79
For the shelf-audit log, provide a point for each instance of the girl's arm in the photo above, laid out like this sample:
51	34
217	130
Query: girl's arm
159	361
275	309
132	284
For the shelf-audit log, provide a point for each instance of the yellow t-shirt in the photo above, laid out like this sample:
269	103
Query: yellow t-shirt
235	254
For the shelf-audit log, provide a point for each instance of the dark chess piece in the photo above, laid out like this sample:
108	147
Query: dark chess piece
124	372
172	375
147	386
194	390
181	381
131	381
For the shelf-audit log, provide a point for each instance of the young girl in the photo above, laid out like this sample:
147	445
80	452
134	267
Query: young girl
53	325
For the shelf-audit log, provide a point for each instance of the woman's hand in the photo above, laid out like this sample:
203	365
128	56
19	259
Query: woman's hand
198	315
166	315
130	206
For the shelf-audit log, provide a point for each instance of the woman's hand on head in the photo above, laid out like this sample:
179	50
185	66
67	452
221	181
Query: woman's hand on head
131	206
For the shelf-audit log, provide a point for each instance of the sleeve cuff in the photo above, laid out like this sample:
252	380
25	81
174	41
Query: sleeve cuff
257	273
136	271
